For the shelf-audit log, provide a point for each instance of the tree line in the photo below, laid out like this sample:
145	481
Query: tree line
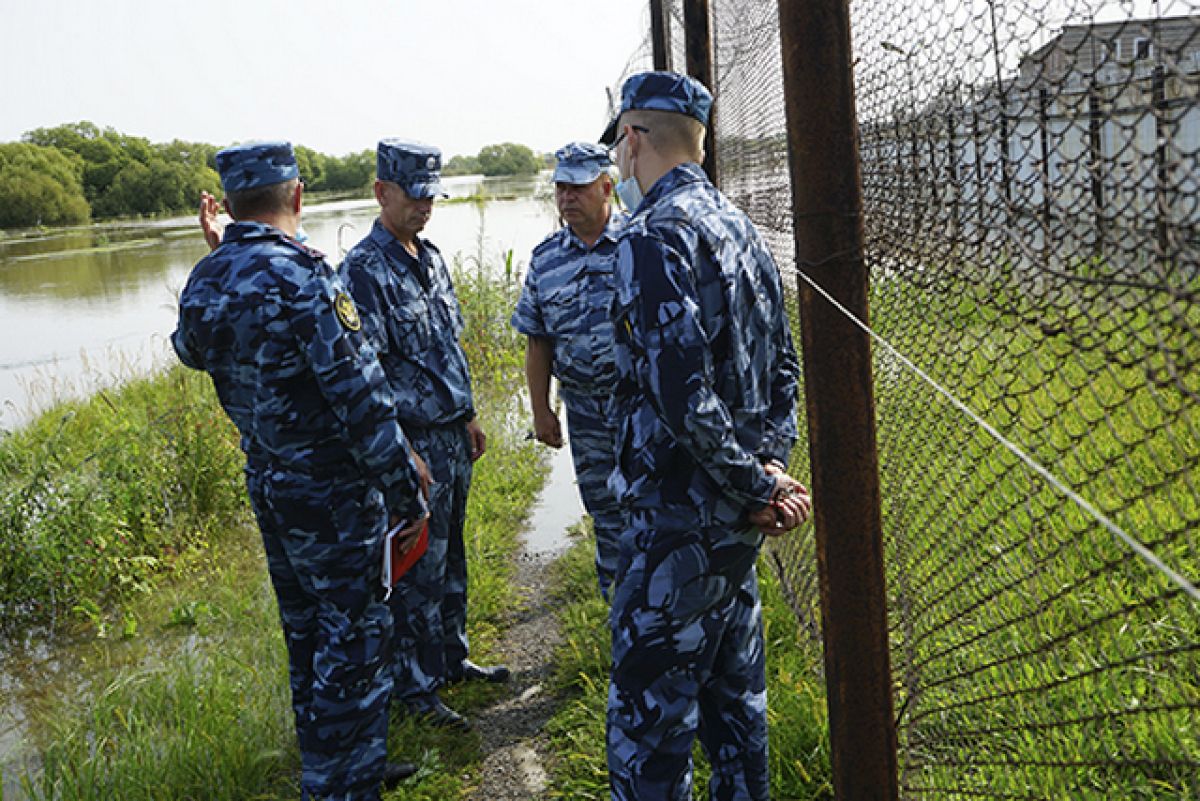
502	159
75	172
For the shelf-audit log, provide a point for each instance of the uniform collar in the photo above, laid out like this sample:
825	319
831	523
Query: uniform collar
687	173
251	230
387	241
241	230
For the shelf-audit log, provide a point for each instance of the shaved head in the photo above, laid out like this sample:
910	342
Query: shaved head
670	133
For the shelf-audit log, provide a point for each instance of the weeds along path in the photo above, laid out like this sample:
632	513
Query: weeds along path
513	742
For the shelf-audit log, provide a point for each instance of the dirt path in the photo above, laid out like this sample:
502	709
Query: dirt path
514	768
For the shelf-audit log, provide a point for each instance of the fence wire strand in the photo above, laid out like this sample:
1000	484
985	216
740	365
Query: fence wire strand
1032	233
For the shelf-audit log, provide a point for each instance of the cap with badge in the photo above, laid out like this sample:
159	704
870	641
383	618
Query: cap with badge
580	163
414	166
256	164
661	91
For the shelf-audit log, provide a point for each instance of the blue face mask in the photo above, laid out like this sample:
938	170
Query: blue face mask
301	235
630	192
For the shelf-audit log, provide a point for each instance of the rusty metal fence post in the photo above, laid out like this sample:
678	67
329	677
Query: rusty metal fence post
697	25
660	35
827	201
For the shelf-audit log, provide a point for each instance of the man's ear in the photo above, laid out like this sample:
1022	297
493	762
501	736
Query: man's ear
380	191
298	198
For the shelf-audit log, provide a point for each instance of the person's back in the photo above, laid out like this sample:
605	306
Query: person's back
326	462
740	329
247	318
707	388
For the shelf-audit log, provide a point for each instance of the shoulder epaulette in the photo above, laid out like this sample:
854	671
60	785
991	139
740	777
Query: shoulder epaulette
552	240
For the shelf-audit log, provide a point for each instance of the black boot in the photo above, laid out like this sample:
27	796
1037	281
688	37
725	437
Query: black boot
469	671
433	711
396	772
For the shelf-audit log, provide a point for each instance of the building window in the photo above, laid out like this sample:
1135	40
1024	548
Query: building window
1142	49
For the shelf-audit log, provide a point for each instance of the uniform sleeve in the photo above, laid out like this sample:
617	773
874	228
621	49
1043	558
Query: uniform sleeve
352	381
183	338
355	272
527	318
183	349
680	373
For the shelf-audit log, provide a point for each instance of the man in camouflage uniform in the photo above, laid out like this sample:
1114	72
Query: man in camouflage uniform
411	315
707	385
564	311
326	462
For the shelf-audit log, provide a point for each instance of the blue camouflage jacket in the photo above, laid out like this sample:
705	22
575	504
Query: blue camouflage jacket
566	298
707	375
273	325
413	319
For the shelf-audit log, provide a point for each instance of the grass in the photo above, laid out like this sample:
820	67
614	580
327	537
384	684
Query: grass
177	688
100	497
1035	655
796	704
196	706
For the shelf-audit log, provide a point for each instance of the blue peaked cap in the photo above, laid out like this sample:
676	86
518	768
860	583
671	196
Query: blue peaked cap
256	164
580	163
662	91
414	166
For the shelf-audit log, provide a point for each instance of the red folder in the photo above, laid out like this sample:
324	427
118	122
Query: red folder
395	563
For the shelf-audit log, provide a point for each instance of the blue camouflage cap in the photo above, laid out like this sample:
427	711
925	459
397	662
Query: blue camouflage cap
662	91
580	163
256	164
414	166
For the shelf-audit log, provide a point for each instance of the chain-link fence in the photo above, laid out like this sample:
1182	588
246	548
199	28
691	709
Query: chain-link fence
1032	232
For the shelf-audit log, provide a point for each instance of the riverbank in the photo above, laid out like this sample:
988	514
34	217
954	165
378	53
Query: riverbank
144	656
194	703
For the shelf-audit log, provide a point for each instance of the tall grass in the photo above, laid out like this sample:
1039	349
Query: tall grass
194	702
99	497
195	707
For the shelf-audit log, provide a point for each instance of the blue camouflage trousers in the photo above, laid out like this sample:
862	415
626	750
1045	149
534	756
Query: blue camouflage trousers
594	450
688	662
430	602
323	541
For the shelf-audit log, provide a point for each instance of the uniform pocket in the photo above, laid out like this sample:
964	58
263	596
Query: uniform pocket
410	327
564	308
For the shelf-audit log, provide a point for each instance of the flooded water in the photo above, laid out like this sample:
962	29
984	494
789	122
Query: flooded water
85	307
558	508
91	306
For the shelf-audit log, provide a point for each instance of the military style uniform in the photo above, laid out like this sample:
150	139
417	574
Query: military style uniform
411	315
566	299
707	385
326	464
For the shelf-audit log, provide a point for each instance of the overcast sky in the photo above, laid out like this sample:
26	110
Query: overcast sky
335	75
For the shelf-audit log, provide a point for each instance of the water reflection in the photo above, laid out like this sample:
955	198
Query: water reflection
84	307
